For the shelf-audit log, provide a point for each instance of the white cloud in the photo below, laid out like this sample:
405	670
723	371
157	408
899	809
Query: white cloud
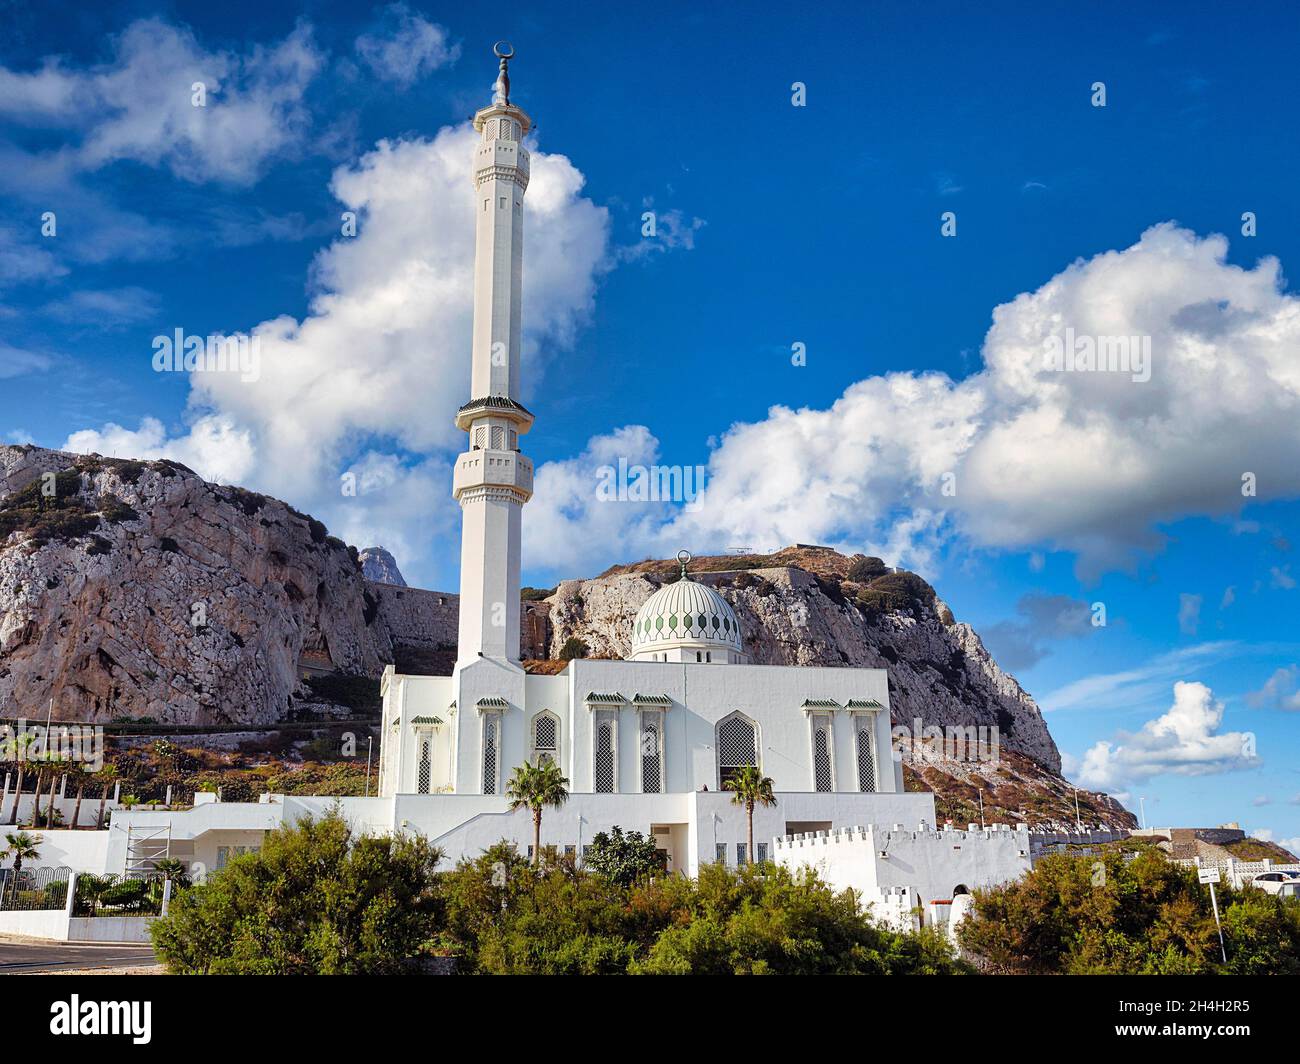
138	105
1136	687
1292	846
404	47
214	446
1189	613
1280	691
15	362
381	363
1184	741
105	307
1090	463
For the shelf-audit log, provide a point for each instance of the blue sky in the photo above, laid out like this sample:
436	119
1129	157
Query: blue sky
776	225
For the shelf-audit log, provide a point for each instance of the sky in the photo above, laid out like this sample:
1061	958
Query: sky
819	258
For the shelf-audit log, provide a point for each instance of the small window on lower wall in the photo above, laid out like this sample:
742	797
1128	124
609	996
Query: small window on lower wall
722	853
761	849
742	855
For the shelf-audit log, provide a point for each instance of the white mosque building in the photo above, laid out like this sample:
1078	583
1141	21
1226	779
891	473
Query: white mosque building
648	743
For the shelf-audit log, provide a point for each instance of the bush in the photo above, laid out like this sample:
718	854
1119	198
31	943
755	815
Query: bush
864	569
314	900
573	648
625	859
1105	915
536	594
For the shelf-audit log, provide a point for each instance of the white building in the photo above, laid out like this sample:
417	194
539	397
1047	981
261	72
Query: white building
648	743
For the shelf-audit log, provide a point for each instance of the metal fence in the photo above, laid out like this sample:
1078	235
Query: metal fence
113	895
33	888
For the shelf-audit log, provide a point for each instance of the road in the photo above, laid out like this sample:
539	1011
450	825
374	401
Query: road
18	957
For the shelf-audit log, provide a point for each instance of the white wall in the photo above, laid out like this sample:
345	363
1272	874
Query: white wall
82	851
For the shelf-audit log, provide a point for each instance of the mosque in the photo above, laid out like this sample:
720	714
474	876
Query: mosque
649	743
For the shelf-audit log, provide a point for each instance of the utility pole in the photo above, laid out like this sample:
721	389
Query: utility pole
370	742
1142	809
1078	826
981	794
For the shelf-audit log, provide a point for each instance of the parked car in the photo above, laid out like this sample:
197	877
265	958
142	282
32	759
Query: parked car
1274	882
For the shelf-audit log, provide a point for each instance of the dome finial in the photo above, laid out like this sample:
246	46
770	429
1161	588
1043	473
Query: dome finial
683	557
504	51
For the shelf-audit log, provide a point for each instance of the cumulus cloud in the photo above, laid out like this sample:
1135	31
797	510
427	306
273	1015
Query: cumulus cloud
1184	741
404	47
1022	456
380	364
138	104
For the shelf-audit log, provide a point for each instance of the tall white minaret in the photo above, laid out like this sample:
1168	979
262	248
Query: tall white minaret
493	479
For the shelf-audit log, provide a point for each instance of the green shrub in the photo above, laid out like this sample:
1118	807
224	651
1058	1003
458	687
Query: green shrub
573	648
314	900
864	569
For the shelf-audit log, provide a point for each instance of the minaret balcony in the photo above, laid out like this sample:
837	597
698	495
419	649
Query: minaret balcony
496	472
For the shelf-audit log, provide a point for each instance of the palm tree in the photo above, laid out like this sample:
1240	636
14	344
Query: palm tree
81	791
106	776
11	752
21	847
535	787
750	788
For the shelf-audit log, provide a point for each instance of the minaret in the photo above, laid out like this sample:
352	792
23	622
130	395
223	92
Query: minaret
493	479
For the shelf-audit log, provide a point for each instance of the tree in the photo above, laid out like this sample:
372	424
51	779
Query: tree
535	787
174	869
81	793
624	859
20	847
15	749
106	776
316	899
750	788
1145	916
864	569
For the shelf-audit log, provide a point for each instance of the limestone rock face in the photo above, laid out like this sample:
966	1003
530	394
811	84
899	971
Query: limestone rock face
380	567
188	602
939	670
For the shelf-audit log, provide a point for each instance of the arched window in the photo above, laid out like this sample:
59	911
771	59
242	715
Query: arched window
604	761
863	726
546	738
424	767
737	742
823	759
652	751
491	752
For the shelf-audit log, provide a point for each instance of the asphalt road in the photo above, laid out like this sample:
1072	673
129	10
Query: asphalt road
19	957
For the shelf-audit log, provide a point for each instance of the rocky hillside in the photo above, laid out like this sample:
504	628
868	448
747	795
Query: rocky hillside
813	606
138	590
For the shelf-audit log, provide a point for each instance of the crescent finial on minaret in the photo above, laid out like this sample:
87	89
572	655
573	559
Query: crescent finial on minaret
504	51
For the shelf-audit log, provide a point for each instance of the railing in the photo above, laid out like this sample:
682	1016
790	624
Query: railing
33	889
112	895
